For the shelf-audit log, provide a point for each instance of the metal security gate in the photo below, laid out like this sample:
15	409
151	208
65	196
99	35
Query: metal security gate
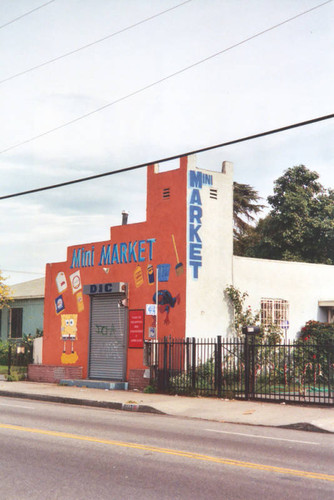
108	338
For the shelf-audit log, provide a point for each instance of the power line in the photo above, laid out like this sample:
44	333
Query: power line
146	87
83	47
26	14
20	272
163	160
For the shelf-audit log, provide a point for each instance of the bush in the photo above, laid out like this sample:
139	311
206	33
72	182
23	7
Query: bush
316	346
16	376
205	380
4	353
150	389
318	333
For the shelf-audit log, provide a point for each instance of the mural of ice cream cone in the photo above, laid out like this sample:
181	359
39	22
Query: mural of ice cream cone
179	265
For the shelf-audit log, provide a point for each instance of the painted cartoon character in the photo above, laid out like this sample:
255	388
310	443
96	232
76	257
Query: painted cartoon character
165	302
69	329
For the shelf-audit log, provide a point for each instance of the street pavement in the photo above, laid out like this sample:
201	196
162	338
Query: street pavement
312	418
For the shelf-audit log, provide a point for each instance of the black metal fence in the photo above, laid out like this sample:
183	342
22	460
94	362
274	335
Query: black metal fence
19	355
243	369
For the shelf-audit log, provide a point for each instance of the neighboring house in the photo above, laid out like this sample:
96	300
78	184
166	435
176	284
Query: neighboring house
26	312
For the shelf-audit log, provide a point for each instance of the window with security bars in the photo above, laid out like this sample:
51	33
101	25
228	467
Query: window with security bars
274	312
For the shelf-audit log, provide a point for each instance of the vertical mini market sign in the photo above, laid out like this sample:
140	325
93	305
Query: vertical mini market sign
195	213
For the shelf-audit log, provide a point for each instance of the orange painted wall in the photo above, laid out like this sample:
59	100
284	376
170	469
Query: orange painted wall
166	216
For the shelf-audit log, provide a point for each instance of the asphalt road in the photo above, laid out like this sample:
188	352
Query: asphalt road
51	451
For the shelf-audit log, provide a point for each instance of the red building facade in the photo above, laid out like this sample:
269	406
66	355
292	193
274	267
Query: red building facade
98	303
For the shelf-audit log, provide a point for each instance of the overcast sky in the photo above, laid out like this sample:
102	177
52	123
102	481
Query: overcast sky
282	77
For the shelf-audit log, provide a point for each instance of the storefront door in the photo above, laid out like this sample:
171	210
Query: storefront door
108	337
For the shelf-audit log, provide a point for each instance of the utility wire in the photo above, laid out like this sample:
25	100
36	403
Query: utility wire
20	272
127	28
163	160
26	14
146	87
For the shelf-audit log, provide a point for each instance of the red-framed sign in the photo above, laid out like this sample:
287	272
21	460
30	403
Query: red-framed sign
136	327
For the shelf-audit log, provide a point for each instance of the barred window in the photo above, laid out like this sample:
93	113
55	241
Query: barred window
274	312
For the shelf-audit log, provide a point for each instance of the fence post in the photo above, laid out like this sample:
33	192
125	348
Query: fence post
193	365
187	355
219	365
171	357
247	367
165	367
9	357
330	364
250	332
252	366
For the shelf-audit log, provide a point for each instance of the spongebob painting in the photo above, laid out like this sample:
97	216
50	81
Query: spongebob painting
69	333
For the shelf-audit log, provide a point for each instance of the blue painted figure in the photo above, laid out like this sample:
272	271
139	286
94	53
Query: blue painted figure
165	302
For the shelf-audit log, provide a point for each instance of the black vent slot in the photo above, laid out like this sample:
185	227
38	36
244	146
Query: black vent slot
214	194
166	193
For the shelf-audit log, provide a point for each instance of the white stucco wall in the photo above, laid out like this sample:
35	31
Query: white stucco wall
301	284
210	244
206	308
38	350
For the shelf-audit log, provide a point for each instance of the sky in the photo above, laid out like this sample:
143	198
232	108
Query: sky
257	83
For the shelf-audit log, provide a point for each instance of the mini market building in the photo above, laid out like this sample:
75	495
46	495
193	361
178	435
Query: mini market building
100	302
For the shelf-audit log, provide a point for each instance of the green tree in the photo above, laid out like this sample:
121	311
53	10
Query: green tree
245	206
300	224
5	293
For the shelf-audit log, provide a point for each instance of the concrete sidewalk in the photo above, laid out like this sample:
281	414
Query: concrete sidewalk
241	412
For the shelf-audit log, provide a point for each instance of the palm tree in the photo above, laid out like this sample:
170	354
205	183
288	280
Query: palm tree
245	207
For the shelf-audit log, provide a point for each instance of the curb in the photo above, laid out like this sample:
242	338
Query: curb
133	407
84	402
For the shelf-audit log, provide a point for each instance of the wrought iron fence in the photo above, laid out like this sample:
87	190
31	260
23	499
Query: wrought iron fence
243	369
19	354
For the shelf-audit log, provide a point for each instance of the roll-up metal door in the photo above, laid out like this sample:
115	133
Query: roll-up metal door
108	339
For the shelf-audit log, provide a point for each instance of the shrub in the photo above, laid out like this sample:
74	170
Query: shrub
316	348
15	376
205	380
150	389
317	333
4	353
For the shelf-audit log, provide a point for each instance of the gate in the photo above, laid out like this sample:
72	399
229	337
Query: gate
19	356
108	339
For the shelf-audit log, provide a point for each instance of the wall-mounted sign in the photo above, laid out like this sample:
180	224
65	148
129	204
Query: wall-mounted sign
59	304
136	327
75	281
151	309
117	253
152	332
61	282
195	209
98	288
